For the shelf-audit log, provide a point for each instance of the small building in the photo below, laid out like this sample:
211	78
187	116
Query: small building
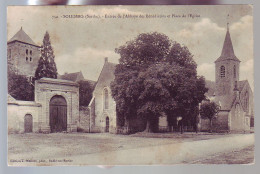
55	109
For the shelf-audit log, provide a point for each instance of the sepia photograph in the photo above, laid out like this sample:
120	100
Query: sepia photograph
130	85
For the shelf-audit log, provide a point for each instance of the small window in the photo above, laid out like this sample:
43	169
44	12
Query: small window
222	71
30	59
26	51
26	58
31	52
235	71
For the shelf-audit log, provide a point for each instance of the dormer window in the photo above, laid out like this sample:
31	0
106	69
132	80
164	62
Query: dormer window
222	71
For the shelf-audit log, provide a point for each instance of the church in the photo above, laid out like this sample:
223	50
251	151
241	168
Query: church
234	97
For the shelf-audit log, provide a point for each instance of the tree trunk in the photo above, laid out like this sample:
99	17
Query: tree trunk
210	120
148	126
181	127
127	124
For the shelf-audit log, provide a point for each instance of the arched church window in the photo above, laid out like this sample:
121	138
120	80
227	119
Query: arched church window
235	71
222	71
105	96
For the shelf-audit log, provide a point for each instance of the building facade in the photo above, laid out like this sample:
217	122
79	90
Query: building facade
102	107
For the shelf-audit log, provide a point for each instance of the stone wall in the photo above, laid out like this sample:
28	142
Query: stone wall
84	119
45	89
16	111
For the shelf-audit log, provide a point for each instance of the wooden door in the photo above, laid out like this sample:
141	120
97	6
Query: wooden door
58	114
28	123
107	124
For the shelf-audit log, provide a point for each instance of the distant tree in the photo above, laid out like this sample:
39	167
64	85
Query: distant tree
19	87
156	75
85	92
209	109
46	65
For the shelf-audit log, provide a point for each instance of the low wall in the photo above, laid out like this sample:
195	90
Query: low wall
16	112
84	119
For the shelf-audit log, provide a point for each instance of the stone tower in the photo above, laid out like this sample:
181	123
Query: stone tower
227	70
23	54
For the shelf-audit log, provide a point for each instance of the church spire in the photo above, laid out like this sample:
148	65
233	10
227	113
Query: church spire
227	50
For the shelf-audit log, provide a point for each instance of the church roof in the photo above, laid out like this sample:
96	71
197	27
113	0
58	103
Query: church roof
226	103
75	77
106	76
227	50
21	36
241	85
72	76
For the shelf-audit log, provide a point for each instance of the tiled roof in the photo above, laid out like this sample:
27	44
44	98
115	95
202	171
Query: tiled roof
227	50
227	102
106	76
241	84
75	77
211	88
70	76
22	37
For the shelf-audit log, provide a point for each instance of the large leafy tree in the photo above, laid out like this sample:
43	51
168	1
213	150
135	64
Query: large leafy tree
20	88
85	92
156	75
46	65
208	110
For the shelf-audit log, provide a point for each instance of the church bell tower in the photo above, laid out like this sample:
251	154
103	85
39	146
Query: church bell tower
227	69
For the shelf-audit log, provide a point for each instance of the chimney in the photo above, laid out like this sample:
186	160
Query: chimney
106	59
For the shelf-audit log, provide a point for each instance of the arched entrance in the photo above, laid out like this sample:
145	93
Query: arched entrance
28	123
107	124
58	114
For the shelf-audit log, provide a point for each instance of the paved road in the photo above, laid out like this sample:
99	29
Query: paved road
185	152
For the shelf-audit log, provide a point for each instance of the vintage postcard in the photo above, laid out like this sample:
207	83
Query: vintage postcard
130	85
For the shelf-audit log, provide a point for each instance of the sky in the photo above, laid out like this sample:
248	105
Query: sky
81	44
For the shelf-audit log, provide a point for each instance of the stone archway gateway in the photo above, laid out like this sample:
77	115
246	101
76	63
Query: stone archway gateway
28	123
58	114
